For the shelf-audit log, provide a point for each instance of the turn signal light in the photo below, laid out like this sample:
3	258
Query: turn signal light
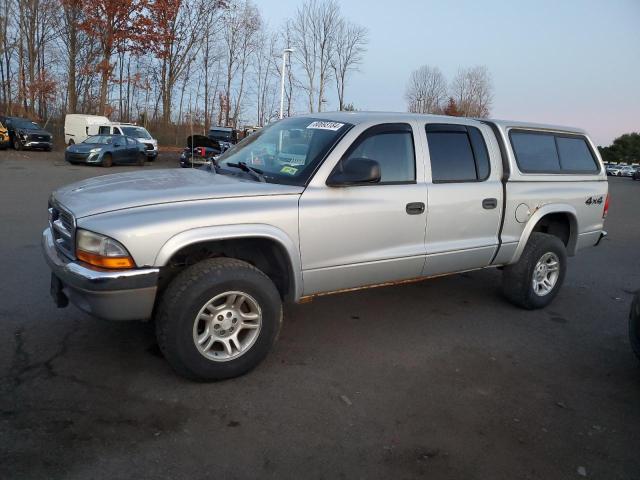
105	262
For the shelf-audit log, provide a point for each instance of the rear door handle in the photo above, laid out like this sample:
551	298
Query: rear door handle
415	208
489	203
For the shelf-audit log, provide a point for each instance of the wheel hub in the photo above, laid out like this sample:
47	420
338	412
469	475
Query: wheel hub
545	274
227	326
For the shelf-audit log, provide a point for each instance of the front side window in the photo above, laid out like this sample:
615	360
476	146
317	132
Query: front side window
287	151
458	153
544	152
392	147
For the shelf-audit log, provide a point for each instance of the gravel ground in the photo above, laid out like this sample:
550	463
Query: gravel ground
440	379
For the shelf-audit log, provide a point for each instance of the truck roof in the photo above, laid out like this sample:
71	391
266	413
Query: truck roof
366	117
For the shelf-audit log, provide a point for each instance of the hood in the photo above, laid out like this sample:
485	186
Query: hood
202	141
84	147
34	131
137	189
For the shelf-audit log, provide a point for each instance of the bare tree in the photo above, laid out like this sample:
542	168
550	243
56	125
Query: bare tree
350	43
427	90
472	91
313	33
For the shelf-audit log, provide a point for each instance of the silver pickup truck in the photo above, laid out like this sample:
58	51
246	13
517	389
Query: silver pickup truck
320	204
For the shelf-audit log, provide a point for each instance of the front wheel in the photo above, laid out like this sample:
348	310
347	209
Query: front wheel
16	144
142	159
218	319
107	160
534	281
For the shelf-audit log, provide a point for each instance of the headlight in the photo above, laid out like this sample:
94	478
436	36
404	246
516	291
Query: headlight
102	251
95	150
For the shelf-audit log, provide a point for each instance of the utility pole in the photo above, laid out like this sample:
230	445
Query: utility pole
284	66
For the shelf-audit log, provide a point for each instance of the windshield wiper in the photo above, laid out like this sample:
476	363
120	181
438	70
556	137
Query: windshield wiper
255	172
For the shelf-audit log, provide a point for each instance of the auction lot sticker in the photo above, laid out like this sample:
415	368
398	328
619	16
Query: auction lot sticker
333	126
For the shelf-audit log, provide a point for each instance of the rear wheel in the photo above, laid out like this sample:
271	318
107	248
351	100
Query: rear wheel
107	160
534	281
218	319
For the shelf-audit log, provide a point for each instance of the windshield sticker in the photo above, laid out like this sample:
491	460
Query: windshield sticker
333	126
289	170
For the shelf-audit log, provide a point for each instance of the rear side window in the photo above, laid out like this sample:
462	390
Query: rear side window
575	155
458	153
552	153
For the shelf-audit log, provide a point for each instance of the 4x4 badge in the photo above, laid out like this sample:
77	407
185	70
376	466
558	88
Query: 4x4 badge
594	200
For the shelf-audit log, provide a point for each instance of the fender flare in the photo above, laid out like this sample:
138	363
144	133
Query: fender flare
230	232
538	215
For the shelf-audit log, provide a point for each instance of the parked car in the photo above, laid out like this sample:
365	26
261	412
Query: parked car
78	127
612	169
135	131
24	133
4	137
626	171
107	150
200	150
634	324
636	174
226	136
320	204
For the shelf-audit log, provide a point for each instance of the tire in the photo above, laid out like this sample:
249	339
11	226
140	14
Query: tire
107	160
16	144
634	325
179	319
142	160
519	284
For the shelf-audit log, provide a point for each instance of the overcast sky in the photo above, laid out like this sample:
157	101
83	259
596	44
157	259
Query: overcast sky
567	62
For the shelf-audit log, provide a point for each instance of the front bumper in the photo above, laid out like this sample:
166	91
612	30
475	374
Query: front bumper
107	294
37	144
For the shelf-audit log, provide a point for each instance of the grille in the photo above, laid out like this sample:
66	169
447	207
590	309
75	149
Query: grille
39	138
63	227
77	156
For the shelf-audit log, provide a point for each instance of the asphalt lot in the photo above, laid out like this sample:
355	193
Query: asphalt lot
439	379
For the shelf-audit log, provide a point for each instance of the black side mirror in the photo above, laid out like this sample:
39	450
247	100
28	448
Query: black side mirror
355	171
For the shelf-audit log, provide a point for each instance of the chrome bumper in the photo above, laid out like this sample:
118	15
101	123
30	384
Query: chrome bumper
107	294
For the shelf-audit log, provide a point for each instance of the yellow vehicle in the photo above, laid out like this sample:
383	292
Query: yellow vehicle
4	137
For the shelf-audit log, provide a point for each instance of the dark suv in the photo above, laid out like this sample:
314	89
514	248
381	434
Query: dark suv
24	133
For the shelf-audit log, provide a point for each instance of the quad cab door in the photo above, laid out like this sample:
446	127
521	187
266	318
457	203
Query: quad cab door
357	235
465	197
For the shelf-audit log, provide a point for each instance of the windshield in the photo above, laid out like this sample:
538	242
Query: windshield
136	132
22	123
220	134
99	140
287	151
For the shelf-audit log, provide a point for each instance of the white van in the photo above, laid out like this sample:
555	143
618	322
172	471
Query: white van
135	131
78	127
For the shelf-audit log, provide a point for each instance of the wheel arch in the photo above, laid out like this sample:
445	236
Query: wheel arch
560	220
265	246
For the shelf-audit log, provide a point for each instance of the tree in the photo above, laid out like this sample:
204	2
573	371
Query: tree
624	149
313	33
452	108
472	91
119	25
427	90
350	42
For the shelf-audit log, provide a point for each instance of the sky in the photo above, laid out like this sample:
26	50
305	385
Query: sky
565	62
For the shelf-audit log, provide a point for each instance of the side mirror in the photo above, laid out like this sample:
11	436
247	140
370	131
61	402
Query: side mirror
117	144
355	171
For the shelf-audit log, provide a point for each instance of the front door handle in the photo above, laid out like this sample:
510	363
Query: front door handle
415	208
489	203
